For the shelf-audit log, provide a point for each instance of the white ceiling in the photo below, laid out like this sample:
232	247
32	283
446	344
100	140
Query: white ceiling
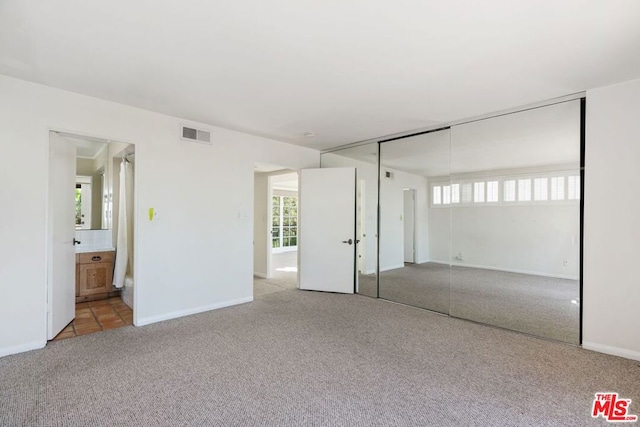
288	181
344	70
86	147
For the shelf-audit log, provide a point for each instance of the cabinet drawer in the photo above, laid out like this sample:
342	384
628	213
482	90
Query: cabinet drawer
94	257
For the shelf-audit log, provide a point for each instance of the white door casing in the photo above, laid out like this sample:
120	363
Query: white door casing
327	210
362	227
409	200
61	234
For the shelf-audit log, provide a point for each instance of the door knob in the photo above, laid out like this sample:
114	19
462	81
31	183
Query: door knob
76	242
348	241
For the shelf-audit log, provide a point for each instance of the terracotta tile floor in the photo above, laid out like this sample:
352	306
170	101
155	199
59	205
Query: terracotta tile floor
96	316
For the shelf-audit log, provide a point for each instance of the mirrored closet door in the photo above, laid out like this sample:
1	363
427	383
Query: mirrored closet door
414	237
480	221
515	246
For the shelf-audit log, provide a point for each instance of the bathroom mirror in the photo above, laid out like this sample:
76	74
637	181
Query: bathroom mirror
92	183
414	222
365	159
97	167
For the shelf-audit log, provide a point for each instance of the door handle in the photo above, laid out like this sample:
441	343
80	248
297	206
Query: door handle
350	242
76	242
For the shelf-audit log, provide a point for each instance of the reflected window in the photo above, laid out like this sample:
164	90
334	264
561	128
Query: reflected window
467	192
437	195
540	189
455	193
573	187
478	192
446	195
524	190
509	190
557	188
492	191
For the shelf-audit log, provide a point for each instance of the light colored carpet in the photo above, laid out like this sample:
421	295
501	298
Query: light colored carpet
536	305
308	358
285	275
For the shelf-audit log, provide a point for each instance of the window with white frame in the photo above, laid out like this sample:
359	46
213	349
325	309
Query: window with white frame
284	227
549	187
509	190
478	192
557	188
467	192
446	194
492	191
573	187
524	190
437	195
455	193
540	189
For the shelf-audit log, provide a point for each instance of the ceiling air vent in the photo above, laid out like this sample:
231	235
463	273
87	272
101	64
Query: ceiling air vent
196	135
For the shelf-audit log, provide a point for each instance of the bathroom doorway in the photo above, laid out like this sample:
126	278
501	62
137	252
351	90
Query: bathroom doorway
275	229
90	235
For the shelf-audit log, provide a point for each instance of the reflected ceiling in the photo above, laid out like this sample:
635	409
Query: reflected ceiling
545	136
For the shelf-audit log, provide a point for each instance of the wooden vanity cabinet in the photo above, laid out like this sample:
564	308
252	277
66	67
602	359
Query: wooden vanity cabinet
94	275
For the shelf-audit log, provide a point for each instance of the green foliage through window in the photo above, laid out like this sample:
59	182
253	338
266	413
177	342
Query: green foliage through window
284	230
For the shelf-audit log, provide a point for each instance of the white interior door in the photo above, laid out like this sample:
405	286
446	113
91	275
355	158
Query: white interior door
327	229
409	225
61	257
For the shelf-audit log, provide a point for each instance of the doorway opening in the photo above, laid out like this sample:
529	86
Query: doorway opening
90	235
275	229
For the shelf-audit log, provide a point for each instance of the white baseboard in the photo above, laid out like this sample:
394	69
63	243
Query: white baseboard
392	267
181	313
615	351
507	270
33	345
260	275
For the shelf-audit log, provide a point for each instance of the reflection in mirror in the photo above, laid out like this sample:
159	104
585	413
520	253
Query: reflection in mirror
365	159
414	243
98	163
91	188
515	220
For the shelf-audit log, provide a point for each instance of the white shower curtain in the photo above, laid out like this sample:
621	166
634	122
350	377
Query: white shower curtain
124	243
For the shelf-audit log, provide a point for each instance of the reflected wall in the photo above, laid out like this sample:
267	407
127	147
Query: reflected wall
365	159
411	272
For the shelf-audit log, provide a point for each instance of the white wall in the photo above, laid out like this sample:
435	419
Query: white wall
260	229
611	221
85	167
113	183
531	239
195	256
